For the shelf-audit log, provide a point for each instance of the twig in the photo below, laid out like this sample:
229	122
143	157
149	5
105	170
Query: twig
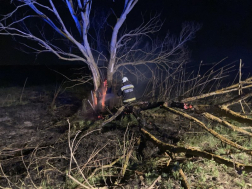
155	181
249	128
242	107
218	92
236	100
109	111
91	105
23	90
92	99
72	158
184	179
5	176
247	105
214	133
240	84
56	93
227	124
235	114
27	170
105	166
194	151
78	182
127	156
119	111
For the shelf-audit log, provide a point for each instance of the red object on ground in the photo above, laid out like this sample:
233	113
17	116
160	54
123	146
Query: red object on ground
100	116
187	106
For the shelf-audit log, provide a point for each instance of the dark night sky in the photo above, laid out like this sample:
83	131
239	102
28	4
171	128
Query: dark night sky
226	29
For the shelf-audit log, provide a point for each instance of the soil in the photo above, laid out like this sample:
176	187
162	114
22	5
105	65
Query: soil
26	127
33	138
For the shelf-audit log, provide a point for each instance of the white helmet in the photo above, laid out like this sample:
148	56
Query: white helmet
124	79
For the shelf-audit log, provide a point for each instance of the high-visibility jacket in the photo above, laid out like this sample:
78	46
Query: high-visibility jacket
127	91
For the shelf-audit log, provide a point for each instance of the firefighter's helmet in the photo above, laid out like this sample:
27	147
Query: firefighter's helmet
124	79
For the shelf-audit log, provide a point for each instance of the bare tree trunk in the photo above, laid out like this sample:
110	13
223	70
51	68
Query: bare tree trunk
96	76
110	76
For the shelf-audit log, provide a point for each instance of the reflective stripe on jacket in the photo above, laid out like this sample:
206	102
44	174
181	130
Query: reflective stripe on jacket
125	87
130	100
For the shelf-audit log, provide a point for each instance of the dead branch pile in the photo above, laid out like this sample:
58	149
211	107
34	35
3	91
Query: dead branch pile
221	107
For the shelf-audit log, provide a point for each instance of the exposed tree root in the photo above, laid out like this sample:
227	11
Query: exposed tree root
214	133
227	124
195	152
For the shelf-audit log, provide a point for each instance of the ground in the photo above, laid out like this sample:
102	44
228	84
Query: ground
35	151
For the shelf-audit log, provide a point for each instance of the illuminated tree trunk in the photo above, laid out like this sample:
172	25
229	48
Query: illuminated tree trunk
110	74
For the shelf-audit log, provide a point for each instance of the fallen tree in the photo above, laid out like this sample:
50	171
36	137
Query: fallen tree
203	110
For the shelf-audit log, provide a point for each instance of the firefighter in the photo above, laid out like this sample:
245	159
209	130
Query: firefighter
127	91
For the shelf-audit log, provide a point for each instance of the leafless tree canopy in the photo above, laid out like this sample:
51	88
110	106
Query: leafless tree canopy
63	28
